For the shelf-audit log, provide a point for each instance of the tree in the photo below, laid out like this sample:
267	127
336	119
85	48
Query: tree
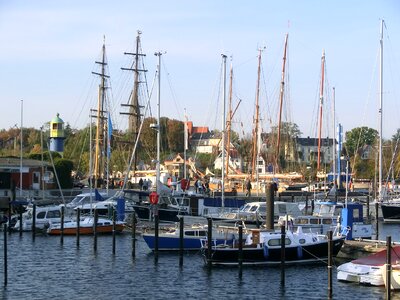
175	135
359	137
244	149
289	129
64	167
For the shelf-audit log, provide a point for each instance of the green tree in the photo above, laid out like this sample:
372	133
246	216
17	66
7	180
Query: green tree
175	135
64	167
359	137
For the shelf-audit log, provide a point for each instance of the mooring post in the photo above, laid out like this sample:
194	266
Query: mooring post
156	225
269	191
388	266
62	225
181	228
33	221
133	235
377	219
114	216
78	225
283	239
240	245
5	255
330	254
368	217
209	242
20	220
96	217
312	206
307	204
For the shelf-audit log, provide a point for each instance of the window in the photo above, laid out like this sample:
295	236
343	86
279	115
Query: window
277	242
41	215
302	241
53	214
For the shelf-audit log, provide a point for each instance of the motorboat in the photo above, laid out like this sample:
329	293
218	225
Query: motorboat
169	239
44	217
86	226
264	248
368	270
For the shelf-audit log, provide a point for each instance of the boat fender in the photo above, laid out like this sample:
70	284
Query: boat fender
299	252
266	252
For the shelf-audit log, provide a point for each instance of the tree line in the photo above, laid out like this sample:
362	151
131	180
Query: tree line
358	141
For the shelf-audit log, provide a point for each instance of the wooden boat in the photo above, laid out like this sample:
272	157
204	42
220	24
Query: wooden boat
86	227
264	248
367	270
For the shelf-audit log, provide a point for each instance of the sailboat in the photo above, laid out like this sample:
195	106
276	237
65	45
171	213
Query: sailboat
91	224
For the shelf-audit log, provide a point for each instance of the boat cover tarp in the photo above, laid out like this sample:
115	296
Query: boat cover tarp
379	258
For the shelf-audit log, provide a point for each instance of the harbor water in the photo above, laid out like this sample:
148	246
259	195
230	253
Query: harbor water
45	268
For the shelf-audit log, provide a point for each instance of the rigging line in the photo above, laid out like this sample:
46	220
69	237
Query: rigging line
173	94
147	108
367	104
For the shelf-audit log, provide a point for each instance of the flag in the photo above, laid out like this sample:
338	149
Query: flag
110	129
97	195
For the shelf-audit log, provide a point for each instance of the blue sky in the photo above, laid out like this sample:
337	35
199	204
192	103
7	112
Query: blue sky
48	51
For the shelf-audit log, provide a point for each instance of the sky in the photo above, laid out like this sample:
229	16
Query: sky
49	48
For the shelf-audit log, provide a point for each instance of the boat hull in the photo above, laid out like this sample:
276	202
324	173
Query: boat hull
86	230
253	255
173	243
390	213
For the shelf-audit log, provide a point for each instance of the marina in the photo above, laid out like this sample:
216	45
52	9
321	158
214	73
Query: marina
43	268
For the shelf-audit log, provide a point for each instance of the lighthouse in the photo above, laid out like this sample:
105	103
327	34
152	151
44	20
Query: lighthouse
57	135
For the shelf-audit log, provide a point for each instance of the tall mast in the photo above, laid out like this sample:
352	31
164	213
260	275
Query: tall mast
321	103
229	121
21	149
158	54
256	118
134	106
185	145
380	110
281	103
223	129
333	141
100	136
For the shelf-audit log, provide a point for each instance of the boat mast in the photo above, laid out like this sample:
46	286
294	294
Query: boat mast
134	106
223	128
185	145
98	159
229	121
256	118
21	149
380	111
321	102
281	104
333	141
158	54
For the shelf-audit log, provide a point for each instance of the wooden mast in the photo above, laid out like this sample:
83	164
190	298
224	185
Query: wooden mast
281	104
321	102
134	106
256	119
229	122
98	159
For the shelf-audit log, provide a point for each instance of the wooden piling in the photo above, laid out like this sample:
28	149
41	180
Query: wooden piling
181	229
62	225
133	235
377	220
209	242
388	266
368	217
156	225
20	221
283	239
240	245
96	217
269	221
330	254
114	216
78	225
5	255
307	204
33	221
